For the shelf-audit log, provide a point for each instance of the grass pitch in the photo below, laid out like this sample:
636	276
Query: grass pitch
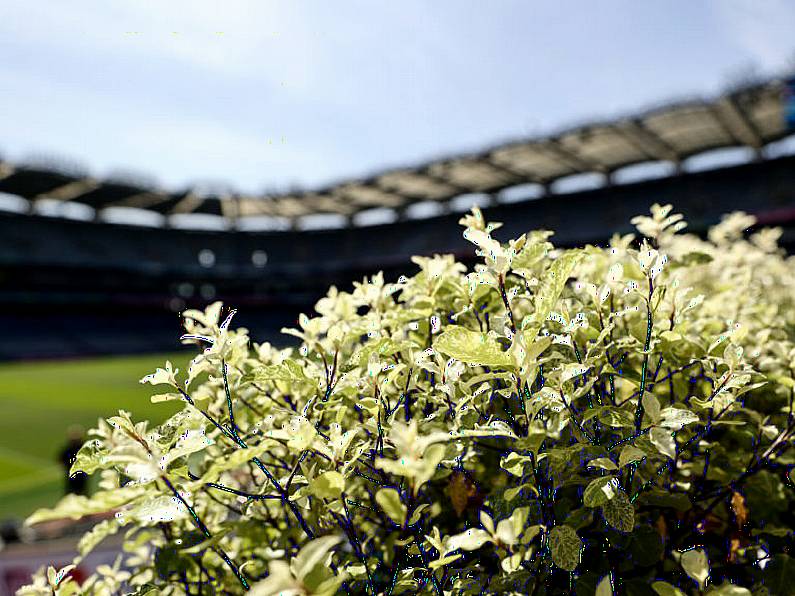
40	400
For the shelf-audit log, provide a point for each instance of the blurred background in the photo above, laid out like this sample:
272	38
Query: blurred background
159	156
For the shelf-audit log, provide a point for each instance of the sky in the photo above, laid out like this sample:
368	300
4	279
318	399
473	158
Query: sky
269	96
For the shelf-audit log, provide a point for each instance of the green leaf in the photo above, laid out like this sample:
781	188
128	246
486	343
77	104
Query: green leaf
666	589
514	464
472	539
169	560
155	509
604	463
288	371
146	590
430	463
472	347
605	587
415	517
443	561
696	565
676	418
234	460
531	254
645	546
565	546
579	518
97	534
572	370
651	407
77	506
630	454
389	500
660	498
89	458
772	531
729	589
600	491
663	440
329	485
383	348
511	493
779	574
695	258
619	512
554	281
312	554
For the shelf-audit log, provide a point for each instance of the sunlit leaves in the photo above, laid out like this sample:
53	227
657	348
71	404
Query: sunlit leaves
328	485
472	347
552	286
162	376
76	506
389	501
288	371
435	431
308	571
471	539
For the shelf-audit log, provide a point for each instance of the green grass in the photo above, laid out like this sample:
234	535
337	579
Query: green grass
40	400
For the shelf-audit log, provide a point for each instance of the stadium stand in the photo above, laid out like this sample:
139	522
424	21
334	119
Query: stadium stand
70	286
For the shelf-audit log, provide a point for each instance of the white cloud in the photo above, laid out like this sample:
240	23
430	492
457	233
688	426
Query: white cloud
203	89
763	28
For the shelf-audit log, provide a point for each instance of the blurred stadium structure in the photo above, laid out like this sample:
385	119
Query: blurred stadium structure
76	279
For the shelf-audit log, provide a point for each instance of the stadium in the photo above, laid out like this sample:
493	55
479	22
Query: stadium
95	271
64	280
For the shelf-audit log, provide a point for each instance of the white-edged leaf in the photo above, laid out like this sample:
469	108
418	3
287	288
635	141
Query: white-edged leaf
663	440
600	491
630	454
472	539
312	554
696	565
472	347
603	463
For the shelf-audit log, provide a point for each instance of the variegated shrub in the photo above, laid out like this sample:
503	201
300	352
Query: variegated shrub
599	420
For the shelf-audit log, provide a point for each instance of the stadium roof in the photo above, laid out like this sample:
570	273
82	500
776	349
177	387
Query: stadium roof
750	117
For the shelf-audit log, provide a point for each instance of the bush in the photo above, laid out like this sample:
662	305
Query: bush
602	420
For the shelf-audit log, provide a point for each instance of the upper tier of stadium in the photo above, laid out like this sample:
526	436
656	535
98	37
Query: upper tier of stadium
751	117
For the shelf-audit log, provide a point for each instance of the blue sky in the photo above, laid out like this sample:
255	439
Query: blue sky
268	95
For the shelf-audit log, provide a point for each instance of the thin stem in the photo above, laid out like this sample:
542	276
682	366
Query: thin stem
644	368
233	426
506	302
204	530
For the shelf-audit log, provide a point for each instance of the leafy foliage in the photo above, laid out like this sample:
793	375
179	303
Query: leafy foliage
604	420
